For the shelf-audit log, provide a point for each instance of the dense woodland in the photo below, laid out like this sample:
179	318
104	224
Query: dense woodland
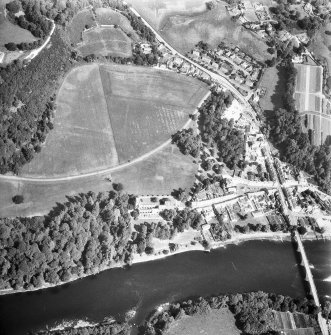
100	329
27	103
79	237
220	132
252	311
286	133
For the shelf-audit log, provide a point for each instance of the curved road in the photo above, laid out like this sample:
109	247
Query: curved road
104	171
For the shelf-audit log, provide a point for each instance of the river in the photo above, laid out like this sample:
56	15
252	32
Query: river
254	265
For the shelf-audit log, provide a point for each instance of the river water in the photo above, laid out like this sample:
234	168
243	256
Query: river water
250	266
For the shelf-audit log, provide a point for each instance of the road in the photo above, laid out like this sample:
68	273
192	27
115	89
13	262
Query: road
34	53
104	171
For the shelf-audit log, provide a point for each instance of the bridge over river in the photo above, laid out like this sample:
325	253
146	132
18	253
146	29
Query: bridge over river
310	279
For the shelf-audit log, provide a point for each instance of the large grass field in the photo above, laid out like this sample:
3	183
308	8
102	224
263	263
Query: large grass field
78	23
147	106
82	138
107	16
10	32
160	173
41	197
105	41
110	114
220	322
184	23
273	80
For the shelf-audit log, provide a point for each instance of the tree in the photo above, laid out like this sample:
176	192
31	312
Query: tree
302	230
118	187
11	46
13	7
18	199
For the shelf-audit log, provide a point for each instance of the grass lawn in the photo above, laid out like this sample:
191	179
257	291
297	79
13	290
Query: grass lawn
40	198
82	138
160	173
274	82
220	322
106	41
110	114
78	23
10	32
107	16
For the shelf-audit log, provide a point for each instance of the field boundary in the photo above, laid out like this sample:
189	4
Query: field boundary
103	171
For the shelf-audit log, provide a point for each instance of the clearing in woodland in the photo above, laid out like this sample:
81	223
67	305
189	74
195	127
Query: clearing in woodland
110	114
107	41
215	321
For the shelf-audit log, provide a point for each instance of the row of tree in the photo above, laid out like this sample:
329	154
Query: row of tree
100	329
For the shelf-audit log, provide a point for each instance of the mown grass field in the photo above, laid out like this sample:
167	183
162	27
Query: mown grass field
146	106
220	322
10	32
110	114
105	41
160	173
107	16
82	138
41	197
78	23
184	24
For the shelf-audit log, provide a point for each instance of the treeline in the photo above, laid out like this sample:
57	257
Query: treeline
253	311
80	237
100	329
34	20
296	148
220	132
27	103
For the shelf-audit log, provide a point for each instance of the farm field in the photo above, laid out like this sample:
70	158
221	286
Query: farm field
147	106
82	138
160	173
41	197
220	322
10	32
183	25
105	41
110	114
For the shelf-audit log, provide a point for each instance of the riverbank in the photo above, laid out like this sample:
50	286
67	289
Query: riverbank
137	258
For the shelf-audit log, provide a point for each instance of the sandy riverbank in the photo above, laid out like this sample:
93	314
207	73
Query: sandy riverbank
240	238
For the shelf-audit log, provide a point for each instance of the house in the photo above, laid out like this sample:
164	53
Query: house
220	52
249	83
146	48
237	60
177	61
206	59
214	66
239	79
185	67
249	68
195	54
2	56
